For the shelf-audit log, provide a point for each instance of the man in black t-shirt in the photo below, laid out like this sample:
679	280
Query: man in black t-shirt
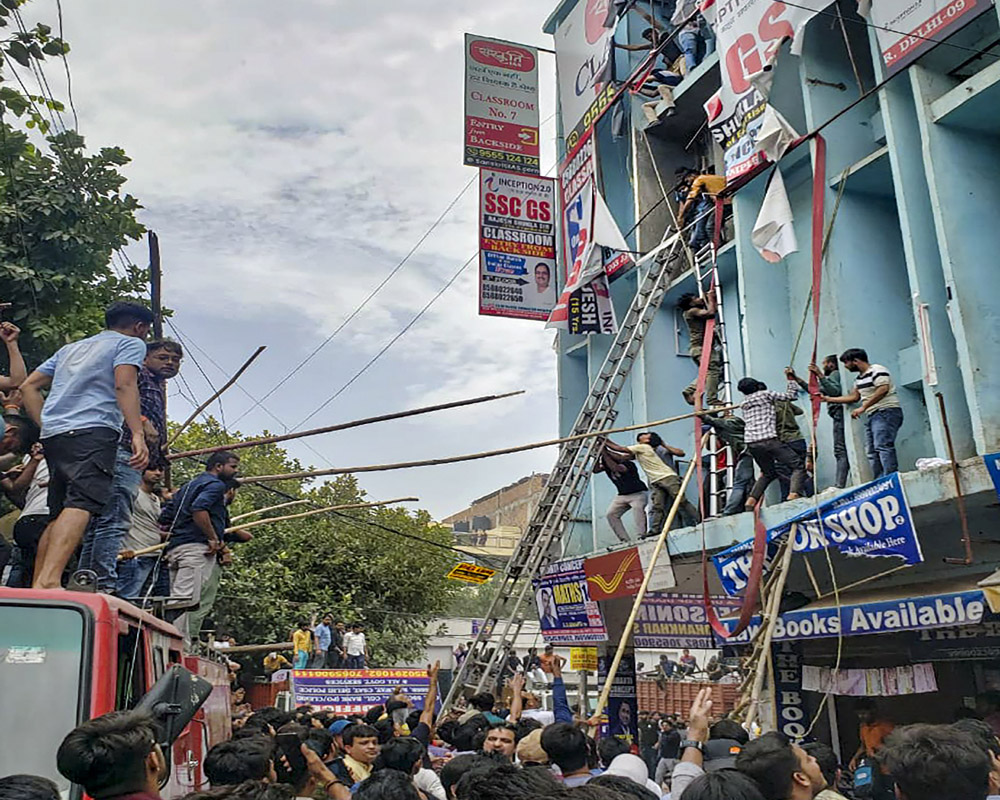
632	493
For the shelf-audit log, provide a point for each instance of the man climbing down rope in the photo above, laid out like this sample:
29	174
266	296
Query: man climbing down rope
761	436
697	312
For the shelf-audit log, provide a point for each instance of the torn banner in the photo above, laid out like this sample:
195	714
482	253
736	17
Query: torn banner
598	252
871	520
773	233
748	43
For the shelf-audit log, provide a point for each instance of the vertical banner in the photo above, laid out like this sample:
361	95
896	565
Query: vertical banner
622	712
517	256
748	37
789	708
906	29
993	468
501	105
584	60
565	610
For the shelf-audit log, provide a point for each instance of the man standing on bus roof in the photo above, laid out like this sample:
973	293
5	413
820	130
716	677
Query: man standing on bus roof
93	388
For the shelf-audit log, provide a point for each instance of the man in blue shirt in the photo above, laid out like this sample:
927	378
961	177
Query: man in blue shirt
323	638
196	522
93	388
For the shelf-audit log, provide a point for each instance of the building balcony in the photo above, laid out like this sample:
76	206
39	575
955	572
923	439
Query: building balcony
499	542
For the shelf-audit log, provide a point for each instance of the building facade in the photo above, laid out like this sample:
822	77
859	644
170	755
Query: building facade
912	180
492	524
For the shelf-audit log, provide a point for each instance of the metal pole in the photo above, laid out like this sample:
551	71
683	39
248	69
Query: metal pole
155	285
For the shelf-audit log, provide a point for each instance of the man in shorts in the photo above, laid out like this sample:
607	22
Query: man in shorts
93	388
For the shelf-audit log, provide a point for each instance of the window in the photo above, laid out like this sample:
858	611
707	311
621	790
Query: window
131	682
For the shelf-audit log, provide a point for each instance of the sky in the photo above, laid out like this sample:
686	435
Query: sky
289	156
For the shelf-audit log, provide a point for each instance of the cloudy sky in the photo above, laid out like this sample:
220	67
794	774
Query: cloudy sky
289	155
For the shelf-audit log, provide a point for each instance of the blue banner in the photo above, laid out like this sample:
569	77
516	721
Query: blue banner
993	467
871	520
621	719
565	610
888	616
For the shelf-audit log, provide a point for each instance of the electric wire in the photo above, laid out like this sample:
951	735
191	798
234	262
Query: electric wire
69	77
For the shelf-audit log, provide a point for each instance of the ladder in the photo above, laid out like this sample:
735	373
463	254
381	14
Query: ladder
541	541
722	458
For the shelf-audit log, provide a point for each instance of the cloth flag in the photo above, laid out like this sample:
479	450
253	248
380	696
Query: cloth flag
773	233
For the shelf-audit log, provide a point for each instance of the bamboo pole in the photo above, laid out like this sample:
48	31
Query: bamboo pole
660	542
314	511
226	385
253	648
269	508
473	456
145	551
343	425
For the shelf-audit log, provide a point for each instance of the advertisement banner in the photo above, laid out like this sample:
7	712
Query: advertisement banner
584	64
748	37
889	616
349	691
620	573
871	520
501	105
789	704
565	610
517	245
678	621
471	573
906	29
583	659
621	718
993	467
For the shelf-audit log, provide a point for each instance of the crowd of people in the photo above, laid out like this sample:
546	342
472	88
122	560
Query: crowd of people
84	456
490	750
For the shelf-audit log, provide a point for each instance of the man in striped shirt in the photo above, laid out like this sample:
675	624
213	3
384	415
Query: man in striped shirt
761	436
879	401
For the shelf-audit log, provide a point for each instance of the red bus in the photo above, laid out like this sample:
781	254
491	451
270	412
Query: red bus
66	657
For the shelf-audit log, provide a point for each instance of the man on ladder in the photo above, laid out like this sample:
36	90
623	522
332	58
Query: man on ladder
697	311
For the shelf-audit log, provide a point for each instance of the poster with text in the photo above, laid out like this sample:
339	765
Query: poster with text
517	245
565	610
677	621
350	691
501	105
906	29
622	717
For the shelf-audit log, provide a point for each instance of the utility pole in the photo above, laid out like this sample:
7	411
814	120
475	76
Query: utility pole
155	288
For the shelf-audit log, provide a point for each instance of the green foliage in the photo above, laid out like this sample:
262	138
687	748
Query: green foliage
327	563
62	212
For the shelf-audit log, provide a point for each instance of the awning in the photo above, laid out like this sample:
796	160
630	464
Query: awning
889	609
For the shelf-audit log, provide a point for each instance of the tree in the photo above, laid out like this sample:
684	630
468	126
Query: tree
62	211
347	563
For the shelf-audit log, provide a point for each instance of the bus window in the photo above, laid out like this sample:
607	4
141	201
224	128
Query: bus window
158	666
131	683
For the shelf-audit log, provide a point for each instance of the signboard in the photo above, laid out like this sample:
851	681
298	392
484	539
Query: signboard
501	105
871	520
584	64
350	691
583	659
620	573
517	245
969	643
566	611
678	621
906	29
889	616
993	467
748	37
471	573
789	704
622	719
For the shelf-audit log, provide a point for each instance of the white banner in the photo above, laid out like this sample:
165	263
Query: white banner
584	61
517	258
905	26
749	36
501	105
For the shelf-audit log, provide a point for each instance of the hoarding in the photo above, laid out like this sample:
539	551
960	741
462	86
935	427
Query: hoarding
906	29
349	691
517	245
501	105
566	612
678	621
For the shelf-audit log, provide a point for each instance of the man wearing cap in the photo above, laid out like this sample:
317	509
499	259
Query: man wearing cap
337	730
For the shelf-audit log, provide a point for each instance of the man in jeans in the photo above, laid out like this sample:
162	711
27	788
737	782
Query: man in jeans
632	493
103	540
761	436
829	385
196	520
877	393
664	485
143	532
730	430
93	388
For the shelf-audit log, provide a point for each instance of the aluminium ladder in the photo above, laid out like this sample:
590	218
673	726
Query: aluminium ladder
541	540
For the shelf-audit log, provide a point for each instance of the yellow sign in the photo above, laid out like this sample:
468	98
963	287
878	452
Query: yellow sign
471	573
583	659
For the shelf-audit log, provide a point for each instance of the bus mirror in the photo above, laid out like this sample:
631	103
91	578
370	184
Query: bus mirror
173	701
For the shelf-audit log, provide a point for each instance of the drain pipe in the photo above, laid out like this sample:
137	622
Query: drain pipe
959	497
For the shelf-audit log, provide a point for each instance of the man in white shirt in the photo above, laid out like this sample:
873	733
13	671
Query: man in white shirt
356	647
144	532
876	391
664	484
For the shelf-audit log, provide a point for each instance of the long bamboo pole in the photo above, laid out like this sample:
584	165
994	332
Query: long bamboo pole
314	511
623	643
343	425
214	397
473	456
269	508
